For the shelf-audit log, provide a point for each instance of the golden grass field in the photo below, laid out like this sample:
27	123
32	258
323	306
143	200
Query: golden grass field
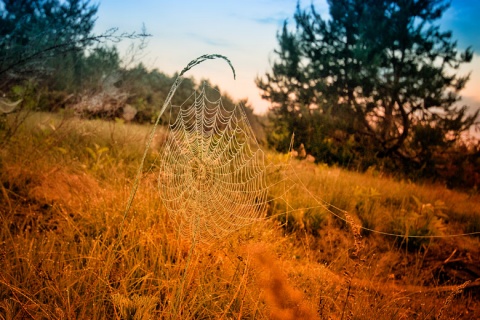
66	253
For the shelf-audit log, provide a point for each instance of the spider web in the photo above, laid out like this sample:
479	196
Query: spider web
212	176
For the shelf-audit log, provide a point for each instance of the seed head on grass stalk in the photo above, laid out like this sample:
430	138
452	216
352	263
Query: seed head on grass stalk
212	174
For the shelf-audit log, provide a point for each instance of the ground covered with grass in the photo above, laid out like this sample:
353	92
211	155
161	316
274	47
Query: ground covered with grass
68	252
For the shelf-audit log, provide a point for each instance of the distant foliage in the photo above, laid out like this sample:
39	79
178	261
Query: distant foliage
35	31
49	54
359	97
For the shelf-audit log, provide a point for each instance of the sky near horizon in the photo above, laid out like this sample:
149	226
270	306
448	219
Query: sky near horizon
245	31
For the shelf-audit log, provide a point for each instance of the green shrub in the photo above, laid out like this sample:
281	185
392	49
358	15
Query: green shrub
419	221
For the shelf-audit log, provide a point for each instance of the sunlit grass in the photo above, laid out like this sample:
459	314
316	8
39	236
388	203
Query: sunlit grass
63	254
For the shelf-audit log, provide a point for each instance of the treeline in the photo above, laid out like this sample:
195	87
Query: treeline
374	86
353	96
50	60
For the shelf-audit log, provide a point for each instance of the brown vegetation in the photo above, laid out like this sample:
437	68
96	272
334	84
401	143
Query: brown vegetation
64	184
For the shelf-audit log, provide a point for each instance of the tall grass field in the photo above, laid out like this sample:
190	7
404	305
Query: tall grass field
333	244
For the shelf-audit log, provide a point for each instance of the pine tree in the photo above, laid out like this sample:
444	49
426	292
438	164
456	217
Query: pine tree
382	72
34	31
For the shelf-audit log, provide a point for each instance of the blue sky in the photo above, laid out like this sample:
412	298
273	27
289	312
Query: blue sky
245	31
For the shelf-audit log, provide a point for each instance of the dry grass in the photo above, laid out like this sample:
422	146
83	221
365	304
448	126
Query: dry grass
64	184
284	301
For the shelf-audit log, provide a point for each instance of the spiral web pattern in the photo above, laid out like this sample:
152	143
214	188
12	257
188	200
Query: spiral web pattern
212	175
